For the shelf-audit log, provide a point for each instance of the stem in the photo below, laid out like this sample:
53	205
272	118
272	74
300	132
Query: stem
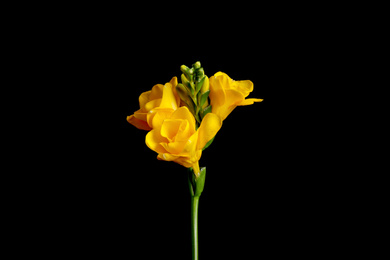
194	223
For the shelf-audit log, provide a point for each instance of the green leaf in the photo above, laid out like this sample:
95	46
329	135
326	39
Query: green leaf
203	98
200	182
208	143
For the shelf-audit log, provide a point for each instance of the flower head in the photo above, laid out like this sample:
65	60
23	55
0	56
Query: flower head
176	139
161	99
226	94
183	119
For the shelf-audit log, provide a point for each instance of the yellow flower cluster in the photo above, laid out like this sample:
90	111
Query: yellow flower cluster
175	133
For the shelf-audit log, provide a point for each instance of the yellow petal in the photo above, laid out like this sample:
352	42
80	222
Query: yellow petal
153	140
166	157
170	127
140	124
168	98
152	104
250	101
195	167
140	115
157	92
223	78
233	98
144	98
174	84
156	117
185	161
217	92
175	148
184	132
190	149
244	86
209	127
205	86
185	114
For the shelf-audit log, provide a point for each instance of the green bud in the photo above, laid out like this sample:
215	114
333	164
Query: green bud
185	97
184	68
187	83
187	72
196	65
199	74
182	91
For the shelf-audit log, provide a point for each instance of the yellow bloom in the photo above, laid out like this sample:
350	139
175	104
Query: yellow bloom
226	94
176	139
162	99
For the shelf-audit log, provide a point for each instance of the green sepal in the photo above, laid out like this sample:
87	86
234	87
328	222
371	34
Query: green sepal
203	98
191	180
208	144
200	182
205	111
196	185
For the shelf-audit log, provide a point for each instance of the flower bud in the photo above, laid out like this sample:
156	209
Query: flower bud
185	97
205	86
199	74
187	83
196	65
187	71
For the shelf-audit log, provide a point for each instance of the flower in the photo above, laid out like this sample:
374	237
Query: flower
176	138
226	94
161	99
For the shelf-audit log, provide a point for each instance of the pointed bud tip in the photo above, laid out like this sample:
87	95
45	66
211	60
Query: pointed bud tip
186	70
196	65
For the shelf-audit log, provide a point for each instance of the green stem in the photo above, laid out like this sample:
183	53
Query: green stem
194	223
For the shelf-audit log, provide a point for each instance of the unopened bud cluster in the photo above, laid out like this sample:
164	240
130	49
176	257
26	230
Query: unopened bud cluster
194	90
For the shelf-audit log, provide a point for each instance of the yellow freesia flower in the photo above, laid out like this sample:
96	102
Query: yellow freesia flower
226	94
176	138
162	99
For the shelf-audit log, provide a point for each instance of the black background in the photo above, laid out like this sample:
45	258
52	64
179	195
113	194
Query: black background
102	191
